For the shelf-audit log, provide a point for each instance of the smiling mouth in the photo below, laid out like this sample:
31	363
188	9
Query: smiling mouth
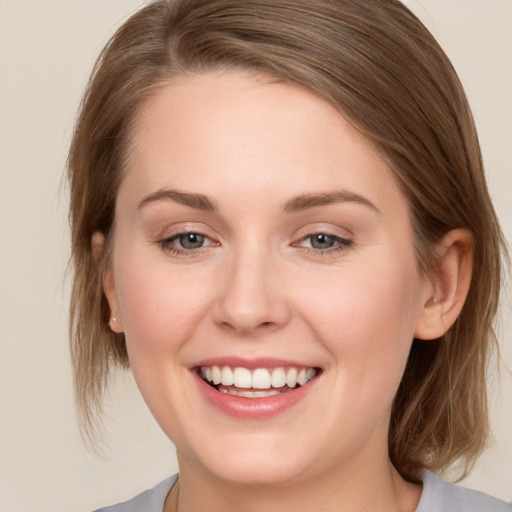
257	382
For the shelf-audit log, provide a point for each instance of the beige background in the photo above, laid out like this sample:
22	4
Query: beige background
47	48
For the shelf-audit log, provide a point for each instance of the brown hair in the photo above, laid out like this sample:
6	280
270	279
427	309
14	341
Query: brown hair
380	67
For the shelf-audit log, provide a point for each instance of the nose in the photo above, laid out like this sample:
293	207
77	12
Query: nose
251	298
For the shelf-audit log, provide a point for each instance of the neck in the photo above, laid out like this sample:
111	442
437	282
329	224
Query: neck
376	486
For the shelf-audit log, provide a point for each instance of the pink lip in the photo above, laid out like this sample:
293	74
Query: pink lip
251	408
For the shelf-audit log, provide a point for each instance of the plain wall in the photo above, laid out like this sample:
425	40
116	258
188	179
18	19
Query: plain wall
47	49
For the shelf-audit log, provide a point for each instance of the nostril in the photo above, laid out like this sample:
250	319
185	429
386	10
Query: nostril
266	326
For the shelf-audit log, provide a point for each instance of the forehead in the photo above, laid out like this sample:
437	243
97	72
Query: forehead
232	131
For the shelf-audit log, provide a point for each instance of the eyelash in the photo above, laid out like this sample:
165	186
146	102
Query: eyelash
340	244
167	244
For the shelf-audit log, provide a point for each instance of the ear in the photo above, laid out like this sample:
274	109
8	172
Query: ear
445	295
109	289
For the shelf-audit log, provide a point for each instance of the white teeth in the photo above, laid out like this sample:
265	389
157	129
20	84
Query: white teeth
278	378
291	377
242	378
301	377
216	375
259	378
249	393
310	373
258	394
227	376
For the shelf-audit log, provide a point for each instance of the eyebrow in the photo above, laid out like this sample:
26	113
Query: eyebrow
294	205
197	201
307	201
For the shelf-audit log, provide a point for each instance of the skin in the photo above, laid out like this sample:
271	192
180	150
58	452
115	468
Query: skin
258	288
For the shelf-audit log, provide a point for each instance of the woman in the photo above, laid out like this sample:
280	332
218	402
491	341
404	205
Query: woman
281	225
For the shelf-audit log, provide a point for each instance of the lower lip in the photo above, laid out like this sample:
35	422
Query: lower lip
253	408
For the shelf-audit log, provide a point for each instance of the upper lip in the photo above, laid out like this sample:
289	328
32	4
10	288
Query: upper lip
251	363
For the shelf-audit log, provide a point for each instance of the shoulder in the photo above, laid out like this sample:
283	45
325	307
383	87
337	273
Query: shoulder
151	500
441	496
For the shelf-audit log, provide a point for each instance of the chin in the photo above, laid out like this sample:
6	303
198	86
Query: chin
252	462
258	470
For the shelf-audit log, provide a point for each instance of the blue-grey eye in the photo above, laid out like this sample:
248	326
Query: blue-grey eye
191	240
322	241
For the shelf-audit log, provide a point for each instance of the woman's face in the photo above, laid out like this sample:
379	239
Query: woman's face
260	239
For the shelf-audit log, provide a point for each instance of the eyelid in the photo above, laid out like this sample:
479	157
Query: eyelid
326	233
334	236
168	230
325	228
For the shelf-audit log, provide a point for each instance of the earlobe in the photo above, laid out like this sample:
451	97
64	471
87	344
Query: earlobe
109	289
444	298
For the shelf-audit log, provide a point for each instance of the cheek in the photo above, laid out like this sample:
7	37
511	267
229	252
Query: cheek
160	305
365	317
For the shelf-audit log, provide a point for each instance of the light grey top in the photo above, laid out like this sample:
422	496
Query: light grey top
151	500
437	496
